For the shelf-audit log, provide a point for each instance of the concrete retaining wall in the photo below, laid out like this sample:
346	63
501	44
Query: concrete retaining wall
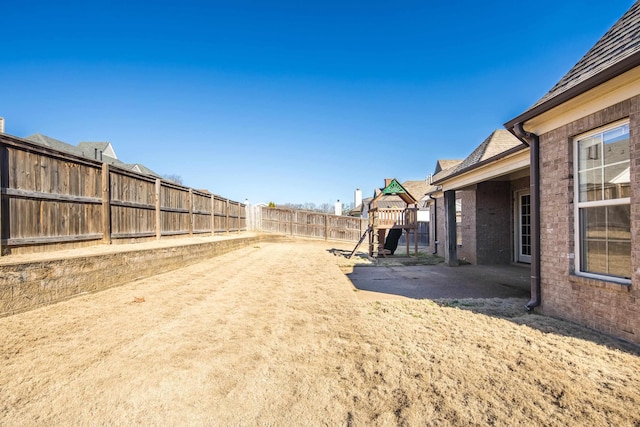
31	284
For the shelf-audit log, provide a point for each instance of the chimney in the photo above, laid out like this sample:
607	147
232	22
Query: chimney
1	125
387	181
357	198
338	208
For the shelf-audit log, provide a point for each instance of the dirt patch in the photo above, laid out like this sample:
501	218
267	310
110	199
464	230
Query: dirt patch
274	334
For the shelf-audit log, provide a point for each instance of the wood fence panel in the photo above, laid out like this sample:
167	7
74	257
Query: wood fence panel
201	212
220	206
54	200
174	209
45	197
237	216
312	224
132	205
276	220
346	228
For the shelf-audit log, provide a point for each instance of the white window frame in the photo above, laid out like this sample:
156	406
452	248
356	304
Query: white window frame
578	204
517	227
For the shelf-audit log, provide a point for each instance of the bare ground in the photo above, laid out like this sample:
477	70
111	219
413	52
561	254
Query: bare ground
276	335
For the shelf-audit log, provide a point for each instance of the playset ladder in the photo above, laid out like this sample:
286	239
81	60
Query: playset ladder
368	230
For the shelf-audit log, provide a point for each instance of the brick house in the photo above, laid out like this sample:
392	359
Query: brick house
584	139
483	204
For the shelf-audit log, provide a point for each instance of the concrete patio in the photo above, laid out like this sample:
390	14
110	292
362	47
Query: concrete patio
394	280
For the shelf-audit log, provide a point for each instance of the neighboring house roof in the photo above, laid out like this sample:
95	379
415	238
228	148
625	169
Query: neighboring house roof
55	144
91	149
87	150
417	189
617	52
443	173
137	167
442	165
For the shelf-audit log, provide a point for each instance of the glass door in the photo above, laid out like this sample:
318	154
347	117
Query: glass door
523	235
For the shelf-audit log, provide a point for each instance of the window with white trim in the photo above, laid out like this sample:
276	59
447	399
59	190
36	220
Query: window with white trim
603	240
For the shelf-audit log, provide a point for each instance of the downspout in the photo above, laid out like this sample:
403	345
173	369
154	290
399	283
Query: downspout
533	141
435	225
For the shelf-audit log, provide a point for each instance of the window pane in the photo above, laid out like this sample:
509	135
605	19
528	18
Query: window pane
617	181
603	165
591	185
606	240
589	152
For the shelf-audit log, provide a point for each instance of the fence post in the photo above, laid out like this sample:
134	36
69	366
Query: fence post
291	221
190	212
106	204
4	182
227	224
213	215
158	213
326	227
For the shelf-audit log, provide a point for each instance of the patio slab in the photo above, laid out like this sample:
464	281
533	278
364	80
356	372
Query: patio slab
440	281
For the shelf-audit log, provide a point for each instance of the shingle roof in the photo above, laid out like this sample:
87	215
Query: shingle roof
88	152
612	55
497	143
89	148
443	173
417	188
55	144
143	169
442	165
621	41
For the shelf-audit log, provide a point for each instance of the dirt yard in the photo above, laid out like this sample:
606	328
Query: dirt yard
276	335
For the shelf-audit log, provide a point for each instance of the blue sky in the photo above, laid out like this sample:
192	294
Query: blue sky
286	101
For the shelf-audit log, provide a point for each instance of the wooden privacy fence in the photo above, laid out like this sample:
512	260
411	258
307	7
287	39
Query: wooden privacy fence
312	224
53	199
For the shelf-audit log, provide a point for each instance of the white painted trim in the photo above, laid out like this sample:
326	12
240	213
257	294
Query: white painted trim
577	205
518	226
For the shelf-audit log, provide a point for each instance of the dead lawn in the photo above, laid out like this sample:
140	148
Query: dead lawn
275	335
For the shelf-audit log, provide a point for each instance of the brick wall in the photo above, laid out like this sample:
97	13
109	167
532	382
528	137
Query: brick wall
467	251
494	223
605	306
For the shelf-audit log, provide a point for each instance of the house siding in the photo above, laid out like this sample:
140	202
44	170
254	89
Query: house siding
602	305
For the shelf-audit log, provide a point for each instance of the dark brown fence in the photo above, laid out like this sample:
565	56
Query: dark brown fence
53	200
312	224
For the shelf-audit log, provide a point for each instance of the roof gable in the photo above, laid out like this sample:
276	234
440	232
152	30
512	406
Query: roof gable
394	188
442	165
497	143
91	149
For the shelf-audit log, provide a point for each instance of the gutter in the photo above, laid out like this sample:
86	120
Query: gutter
533	141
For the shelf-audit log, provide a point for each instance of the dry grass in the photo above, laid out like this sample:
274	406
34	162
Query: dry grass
274	335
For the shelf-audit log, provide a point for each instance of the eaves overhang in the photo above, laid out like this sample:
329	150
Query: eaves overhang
507	162
586	85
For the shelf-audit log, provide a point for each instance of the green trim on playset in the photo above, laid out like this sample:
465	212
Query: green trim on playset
394	187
